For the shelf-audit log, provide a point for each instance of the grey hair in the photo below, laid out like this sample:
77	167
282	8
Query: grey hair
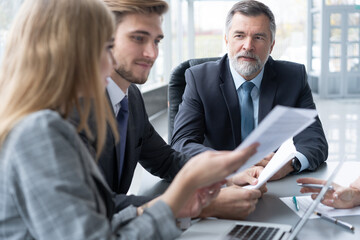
251	8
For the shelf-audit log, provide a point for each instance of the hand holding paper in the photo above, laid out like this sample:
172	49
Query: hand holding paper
281	157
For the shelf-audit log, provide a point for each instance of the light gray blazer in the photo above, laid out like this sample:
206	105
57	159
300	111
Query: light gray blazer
51	188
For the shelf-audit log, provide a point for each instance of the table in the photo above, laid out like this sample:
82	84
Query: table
271	209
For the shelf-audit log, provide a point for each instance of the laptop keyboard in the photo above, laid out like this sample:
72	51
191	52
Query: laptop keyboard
246	232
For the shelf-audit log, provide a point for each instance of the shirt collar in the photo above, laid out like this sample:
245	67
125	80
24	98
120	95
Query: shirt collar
238	79
115	92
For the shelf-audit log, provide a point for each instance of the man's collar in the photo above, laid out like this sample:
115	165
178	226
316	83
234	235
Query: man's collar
115	92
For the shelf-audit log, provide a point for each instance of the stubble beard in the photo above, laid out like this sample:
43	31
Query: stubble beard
128	76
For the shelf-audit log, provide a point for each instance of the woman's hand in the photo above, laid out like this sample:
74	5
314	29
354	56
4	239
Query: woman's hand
339	197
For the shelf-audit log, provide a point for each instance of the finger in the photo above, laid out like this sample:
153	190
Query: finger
311	180
328	202
309	190
252	207
314	196
262	163
263	189
254	194
244	179
269	157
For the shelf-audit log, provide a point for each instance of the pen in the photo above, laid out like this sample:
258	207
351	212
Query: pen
296	203
311	185
336	221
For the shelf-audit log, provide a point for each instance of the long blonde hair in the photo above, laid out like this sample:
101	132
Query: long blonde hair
52	57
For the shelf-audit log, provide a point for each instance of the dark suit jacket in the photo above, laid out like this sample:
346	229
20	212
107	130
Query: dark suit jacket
143	145
209	116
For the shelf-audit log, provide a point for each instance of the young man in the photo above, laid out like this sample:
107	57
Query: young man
225	100
138	33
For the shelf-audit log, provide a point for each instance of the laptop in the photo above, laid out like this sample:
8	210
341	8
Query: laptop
229	229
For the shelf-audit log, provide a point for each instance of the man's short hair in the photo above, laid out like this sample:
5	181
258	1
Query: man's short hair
122	7
251	8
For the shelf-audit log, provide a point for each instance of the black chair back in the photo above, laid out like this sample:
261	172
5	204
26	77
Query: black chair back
177	86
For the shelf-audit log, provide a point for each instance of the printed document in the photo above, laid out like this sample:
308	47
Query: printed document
305	201
281	157
279	125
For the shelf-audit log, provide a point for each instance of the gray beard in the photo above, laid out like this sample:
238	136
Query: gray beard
246	69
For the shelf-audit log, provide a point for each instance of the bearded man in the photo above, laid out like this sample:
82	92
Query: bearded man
225	100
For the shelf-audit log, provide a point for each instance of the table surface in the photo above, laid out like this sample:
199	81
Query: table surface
271	209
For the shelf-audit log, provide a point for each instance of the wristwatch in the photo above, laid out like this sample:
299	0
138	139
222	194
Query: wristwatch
296	164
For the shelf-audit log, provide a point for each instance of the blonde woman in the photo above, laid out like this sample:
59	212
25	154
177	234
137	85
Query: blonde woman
50	187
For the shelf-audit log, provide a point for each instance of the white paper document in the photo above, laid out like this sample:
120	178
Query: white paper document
280	158
305	201
279	125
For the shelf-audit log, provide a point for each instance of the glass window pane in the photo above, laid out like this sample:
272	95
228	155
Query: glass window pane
353	86
316	3
353	50
335	19
341	2
354	19
316	50
8	10
353	65
334	85
316	20
316	35
335	35
335	50
334	65
353	34
315	64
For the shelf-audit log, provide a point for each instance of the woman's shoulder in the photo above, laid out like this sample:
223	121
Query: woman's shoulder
39	127
41	122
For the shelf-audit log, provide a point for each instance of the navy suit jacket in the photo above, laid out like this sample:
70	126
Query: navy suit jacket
209	115
143	145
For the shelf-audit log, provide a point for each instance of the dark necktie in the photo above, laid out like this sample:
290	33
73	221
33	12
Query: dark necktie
122	120
247	109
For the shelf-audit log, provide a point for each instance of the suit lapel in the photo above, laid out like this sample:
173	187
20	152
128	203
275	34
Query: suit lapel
268	90
227	87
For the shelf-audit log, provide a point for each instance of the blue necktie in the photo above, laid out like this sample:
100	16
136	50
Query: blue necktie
122	120
246	109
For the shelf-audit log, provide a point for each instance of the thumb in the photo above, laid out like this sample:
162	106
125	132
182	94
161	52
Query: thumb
244	179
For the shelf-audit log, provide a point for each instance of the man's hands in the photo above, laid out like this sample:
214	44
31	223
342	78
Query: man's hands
249	176
339	197
200	199
189	191
283	172
233	202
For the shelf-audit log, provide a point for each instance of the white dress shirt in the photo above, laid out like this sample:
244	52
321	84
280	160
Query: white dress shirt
116	95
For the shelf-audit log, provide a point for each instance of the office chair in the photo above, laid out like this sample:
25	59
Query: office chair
177	86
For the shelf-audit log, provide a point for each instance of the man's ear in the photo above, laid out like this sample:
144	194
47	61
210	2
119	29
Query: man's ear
226	39
272	46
